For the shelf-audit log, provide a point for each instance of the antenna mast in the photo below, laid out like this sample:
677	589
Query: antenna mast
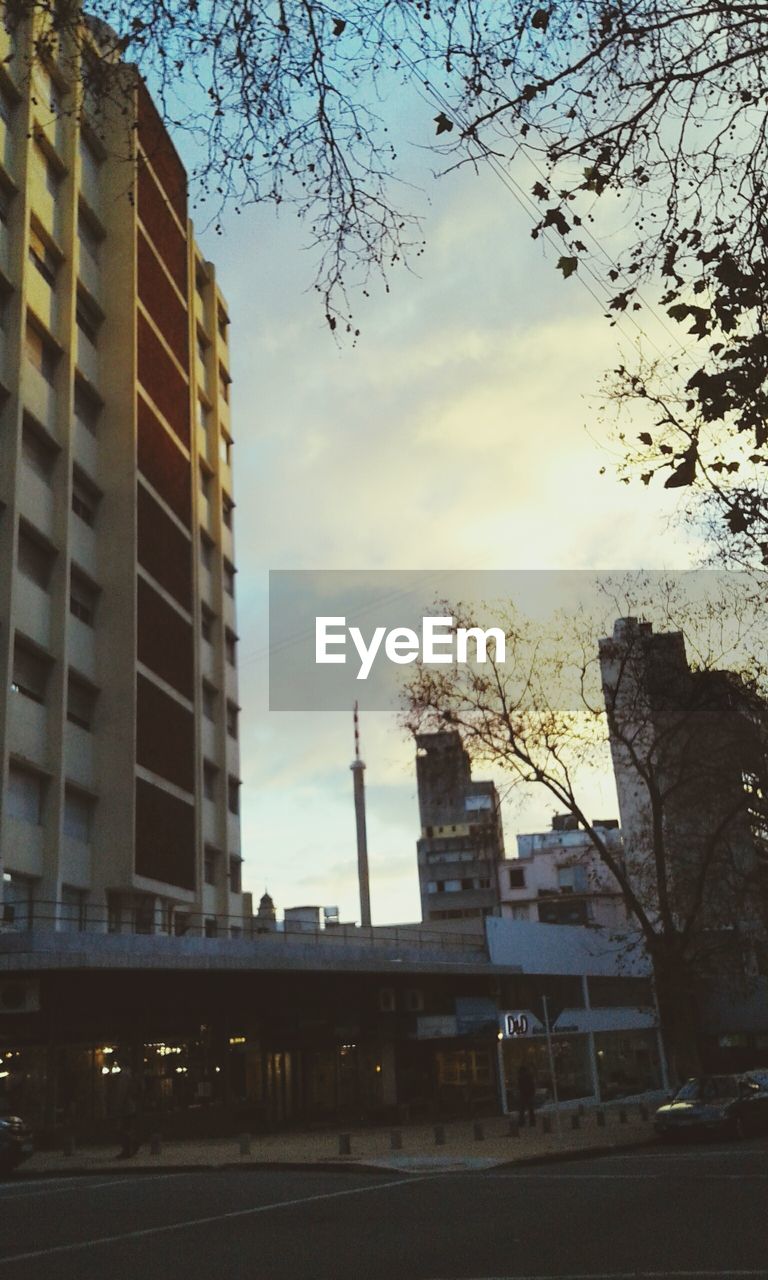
358	780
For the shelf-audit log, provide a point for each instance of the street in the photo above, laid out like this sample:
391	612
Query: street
694	1212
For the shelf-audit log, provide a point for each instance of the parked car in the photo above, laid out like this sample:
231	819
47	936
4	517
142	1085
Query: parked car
724	1106
15	1143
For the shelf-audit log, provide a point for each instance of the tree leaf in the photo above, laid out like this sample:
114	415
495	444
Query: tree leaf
567	266
444	125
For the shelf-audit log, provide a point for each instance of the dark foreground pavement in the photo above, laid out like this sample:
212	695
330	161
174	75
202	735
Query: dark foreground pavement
693	1213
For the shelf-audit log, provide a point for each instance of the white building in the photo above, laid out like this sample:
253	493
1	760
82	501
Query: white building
558	877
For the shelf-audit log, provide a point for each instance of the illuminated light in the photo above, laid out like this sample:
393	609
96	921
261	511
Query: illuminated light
115	1070
105	1071
378	1068
237	1039
499	1035
4	1075
217	1070
107	1049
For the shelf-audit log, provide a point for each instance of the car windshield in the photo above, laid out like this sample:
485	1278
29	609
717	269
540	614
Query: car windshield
707	1088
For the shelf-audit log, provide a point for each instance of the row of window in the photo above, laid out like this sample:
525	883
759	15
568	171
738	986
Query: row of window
26	798
211	787
457	886
31	674
210	703
207	631
569	879
41	453
36	558
212	864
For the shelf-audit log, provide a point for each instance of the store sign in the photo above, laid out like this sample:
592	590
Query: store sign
515	1025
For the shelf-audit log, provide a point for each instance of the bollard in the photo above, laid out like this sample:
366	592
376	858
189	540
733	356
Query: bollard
396	1140
576	1121
546	1124
514	1129
245	1144
345	1144
478	1130
600	1117
644	1112
439	1135
623	1117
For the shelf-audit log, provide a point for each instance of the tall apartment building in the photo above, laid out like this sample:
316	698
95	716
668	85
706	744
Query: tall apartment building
696	740
558	877
462	840
118	682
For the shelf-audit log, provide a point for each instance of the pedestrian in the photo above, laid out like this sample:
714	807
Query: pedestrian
526	1095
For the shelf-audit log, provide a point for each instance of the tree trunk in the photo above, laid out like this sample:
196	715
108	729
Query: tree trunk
678	1013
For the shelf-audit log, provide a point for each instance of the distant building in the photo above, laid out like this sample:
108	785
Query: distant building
558	877
462	840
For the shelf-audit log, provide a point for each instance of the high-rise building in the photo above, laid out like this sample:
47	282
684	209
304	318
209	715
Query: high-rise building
558	877
689	752
118	683
462	841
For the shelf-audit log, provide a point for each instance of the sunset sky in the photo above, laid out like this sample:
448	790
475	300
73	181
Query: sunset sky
461	432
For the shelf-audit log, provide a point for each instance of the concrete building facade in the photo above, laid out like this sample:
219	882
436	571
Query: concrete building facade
462	841
558	878
118	681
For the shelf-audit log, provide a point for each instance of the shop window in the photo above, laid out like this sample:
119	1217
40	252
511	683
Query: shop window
30	673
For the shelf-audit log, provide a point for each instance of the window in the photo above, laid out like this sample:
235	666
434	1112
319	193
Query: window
230	641
233	794
41	353
89	238
228	574
209	702
572	879
235	875
210	864
85	499
87	408
210	777
206	550
200	283
35	558
74	906
78	815
206	624
90	163
516	878
81	703
222	323
83	597
202	416
211	927
88	318
225	449
224	381
227	507
42	257
232	714
38	451
202	347
205	482
520	912
26	794
48	170
30	673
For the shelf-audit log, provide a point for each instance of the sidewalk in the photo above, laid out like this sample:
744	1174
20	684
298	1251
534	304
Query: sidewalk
410	1148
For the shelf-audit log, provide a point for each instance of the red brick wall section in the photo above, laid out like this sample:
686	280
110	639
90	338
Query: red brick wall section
165	640
163	550
163	464
162	381
162	155
164	233
162	302
165	735
165	836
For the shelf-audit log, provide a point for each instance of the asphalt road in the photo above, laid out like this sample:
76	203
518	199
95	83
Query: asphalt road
689	1213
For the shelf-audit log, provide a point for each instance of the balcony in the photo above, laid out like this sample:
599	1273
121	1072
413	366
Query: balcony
25	842
28	728
87	358
89	272
86	449
82	647
43	299
33	610
36	501
79	756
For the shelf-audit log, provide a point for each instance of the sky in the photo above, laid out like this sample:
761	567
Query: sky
460	432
